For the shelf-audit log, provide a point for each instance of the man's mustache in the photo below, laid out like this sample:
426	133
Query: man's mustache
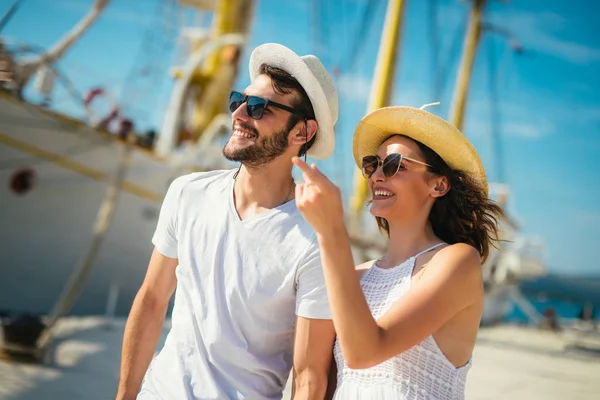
246	127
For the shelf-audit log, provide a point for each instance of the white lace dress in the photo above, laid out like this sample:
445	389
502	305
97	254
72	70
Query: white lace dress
422	372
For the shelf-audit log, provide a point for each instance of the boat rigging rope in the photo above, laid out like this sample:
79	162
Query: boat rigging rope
441	78
434	39
145	78
495	118
362	33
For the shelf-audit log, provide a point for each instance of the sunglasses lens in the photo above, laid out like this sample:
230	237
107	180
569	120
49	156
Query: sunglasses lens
369	166
256	107
391	165
235	101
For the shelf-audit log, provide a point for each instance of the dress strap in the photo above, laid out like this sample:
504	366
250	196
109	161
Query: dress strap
429	249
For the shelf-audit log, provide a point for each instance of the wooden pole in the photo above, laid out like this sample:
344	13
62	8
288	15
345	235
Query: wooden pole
381	92
464	75
9	14
103	220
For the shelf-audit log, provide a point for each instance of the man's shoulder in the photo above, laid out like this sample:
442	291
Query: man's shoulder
201	180
298	225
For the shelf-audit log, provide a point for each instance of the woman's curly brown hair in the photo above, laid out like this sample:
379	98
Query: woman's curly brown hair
464	214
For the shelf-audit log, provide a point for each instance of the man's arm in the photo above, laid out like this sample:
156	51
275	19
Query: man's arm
313	351
145	323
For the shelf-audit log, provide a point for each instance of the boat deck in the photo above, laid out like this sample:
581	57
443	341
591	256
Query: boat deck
509	362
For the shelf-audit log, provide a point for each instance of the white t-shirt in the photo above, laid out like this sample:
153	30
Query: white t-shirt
240	286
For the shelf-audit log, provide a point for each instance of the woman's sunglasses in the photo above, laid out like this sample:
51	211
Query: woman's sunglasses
256	106
391	164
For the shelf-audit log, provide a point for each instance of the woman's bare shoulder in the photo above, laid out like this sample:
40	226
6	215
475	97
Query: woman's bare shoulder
457	260
463	253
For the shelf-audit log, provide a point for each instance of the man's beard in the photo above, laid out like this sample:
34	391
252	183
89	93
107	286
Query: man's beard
262	151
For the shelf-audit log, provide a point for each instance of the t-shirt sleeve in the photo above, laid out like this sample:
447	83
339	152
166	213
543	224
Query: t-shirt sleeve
165	235
311	293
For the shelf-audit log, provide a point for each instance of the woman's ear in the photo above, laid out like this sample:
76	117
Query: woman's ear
439	186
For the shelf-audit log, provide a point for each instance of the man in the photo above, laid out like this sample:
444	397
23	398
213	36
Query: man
251	300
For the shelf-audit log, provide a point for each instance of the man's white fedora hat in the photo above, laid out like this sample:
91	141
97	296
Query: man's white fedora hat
312	75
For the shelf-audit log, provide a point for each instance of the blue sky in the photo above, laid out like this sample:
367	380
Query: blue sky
547	102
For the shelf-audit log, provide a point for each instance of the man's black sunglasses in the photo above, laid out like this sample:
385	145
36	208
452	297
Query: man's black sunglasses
256	106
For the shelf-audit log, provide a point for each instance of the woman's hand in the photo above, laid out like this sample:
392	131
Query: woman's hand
319	200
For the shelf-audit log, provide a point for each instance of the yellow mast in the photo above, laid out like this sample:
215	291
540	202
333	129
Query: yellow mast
211	82
464	76
382	84
381	90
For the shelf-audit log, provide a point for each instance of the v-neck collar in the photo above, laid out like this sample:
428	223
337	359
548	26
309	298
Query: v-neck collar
264	214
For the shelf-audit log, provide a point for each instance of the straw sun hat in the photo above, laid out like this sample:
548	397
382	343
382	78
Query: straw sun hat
434	132
313	77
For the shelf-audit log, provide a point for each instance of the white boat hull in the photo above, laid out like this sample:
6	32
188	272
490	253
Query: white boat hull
45	233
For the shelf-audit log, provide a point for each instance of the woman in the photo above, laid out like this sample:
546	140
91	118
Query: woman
406	325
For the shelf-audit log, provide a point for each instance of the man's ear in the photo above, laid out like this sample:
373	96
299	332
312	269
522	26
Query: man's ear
304	131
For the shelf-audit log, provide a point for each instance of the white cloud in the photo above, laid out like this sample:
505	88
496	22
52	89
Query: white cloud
581	87
415	96
540	32
355	87
528	130
515	121
523	130
587	217
587	114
